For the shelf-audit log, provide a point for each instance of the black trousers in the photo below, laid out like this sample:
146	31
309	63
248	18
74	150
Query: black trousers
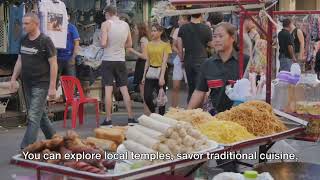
192	71
151	91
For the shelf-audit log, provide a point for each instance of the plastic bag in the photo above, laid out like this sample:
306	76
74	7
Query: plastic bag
240	91
295	69
229	176
162	98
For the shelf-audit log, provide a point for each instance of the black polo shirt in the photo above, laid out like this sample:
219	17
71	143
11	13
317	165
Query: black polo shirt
214	70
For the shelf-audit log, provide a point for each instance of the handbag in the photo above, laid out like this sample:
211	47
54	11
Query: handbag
153	73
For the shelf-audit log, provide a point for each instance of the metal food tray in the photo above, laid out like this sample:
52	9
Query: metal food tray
296	126
144	172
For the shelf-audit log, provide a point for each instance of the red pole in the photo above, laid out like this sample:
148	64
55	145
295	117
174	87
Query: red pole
249	14
242	14
269	59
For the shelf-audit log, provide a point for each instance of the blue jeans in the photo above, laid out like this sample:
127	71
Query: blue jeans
285	64
65	68
36	99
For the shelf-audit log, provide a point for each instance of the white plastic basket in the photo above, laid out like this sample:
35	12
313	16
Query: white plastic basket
3	106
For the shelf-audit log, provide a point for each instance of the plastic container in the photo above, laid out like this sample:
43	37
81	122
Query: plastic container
284	91
307	95
280	95
250	175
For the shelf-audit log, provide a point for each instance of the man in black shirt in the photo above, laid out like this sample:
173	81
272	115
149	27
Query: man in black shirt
193	39
287	55
37	64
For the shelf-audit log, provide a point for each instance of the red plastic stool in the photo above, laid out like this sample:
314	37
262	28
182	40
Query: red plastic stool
69	83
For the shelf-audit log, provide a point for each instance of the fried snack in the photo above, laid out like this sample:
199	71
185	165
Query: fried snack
55	142
35	147
195	116
115	135
103	143
225	132
258	121
52	153
72	140
123	129
260	105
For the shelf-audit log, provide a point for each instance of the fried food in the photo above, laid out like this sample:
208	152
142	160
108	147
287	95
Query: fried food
55	142
225	132
256	117
35	147
194	116
260	105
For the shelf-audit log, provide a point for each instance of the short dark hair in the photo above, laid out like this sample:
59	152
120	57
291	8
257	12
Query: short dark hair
286	22
111	10
215	18
34	17
196	15
186	17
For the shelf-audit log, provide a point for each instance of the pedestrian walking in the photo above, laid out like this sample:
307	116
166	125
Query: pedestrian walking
193	40
179	72
155	73
37	65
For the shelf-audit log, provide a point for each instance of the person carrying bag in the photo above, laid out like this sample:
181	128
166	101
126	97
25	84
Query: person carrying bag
155	75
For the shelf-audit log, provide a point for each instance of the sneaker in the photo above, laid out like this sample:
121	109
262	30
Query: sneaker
106	123
132	121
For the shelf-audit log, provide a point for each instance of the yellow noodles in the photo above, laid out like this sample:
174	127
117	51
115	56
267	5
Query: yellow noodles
256	117
225	132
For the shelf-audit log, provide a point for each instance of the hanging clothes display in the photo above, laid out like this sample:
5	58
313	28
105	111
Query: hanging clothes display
314	26
259	57
15	28
3	29
54	21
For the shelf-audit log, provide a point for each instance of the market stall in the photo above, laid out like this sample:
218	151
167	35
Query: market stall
250	124
178	137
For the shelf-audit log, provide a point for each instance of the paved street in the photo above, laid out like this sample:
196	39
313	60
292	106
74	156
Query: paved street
10	140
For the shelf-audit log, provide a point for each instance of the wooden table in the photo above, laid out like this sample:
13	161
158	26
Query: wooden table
291	170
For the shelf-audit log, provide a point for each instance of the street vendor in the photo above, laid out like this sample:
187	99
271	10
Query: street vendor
219	71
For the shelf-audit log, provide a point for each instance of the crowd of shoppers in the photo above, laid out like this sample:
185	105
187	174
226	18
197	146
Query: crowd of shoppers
207	74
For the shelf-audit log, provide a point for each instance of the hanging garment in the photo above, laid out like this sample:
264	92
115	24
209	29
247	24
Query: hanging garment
54	21
314	29
3	30
15	28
